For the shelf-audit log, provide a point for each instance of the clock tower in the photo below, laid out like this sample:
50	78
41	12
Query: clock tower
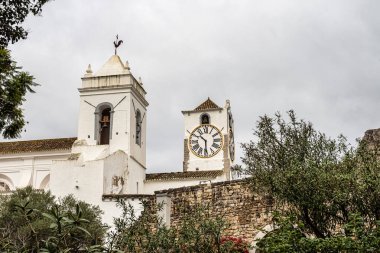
209	138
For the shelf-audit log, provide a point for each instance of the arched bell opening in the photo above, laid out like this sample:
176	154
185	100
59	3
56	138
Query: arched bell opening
105	126
103	123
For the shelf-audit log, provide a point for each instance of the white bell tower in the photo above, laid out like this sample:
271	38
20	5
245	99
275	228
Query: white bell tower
113	109
109	156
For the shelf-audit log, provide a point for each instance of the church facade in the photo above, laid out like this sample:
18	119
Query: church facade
107	159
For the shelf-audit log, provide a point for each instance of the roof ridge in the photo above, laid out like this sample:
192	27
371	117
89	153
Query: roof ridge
185	174
46	139
207	104
113	66
40	145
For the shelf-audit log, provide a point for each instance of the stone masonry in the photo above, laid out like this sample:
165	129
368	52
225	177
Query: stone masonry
247	213
186	155
226	160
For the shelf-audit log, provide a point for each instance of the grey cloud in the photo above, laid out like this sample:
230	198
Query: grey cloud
320	58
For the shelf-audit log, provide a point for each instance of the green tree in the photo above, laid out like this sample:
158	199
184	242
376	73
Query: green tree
13	87
33	220
319	184
12	15
14	84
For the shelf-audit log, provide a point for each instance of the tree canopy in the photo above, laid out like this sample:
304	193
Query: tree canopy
12	15
324	188
14	83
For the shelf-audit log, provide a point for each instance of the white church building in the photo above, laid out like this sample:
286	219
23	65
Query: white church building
107	159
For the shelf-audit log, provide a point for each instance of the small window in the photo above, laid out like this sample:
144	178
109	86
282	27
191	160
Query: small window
138	128
205	119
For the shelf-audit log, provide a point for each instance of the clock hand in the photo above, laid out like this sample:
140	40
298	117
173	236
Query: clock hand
204	141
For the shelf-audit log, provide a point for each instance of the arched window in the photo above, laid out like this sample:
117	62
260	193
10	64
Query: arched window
103	123
6	184
205	119
45	183
138	127
4	187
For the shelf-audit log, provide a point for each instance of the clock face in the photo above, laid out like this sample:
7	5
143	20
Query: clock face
205	141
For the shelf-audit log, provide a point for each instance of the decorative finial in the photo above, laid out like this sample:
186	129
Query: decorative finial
127	65
117	43
228	104
89	70
140	80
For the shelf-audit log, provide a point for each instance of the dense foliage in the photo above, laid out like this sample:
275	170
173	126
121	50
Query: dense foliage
14	84
34	221
12	15
327	192
198	231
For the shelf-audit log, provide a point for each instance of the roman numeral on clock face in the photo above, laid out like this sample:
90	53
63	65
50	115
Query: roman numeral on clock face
194	141
215	145
194	135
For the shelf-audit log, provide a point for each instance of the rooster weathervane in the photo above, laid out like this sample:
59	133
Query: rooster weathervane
117	43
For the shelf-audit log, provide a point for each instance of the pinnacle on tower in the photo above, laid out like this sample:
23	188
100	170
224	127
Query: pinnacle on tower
88	71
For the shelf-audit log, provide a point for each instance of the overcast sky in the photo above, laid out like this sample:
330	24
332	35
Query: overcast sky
320	58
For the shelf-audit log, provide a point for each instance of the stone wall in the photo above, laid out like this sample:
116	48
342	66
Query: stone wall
186	155
226	158
245	211
372	138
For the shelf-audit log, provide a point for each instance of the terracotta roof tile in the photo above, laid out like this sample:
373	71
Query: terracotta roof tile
183	175
208	104
36	145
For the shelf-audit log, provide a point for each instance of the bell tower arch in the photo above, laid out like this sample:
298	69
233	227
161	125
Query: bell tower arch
103	123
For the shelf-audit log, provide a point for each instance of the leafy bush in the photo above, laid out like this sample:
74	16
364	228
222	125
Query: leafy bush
34	221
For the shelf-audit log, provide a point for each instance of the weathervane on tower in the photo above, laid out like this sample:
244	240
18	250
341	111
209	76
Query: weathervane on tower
117	43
